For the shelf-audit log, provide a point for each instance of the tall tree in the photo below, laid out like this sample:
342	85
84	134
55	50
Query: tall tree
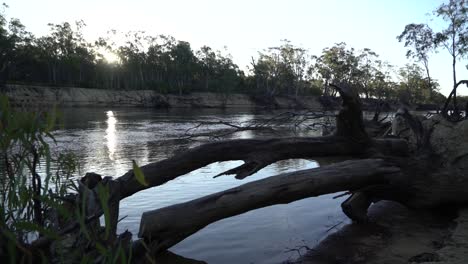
337	64
412	87
455	37
281	69
208	61
183	66
366	70
420	40
4	44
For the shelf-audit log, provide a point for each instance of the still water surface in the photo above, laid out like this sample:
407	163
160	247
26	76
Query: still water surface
107	140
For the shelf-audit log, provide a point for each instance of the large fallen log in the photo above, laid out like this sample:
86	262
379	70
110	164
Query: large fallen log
256	153
167	226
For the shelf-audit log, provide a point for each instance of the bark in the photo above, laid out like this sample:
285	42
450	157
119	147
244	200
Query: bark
167	226
257	153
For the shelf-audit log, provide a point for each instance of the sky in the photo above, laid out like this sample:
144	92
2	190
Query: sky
246	27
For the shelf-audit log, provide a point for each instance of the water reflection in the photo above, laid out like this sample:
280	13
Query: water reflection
111	134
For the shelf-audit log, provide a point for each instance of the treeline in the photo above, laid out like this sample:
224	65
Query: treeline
64	58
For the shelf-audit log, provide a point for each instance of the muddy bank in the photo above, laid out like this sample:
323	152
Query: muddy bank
397	235
25	95
30	95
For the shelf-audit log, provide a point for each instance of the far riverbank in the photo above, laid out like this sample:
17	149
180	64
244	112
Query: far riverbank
26	95
32	96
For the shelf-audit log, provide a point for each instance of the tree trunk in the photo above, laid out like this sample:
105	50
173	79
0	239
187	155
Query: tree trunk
170	225
256	153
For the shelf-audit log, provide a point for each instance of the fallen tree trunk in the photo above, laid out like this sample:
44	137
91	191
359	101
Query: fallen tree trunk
167	226
256	153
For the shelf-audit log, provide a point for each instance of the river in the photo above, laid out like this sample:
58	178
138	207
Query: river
106	140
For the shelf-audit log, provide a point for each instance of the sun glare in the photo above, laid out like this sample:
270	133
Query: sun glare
111	134
110	57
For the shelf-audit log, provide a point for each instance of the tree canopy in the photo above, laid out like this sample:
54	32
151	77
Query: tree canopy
63	57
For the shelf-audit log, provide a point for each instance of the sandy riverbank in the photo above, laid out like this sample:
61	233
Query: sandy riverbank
397	235
25	95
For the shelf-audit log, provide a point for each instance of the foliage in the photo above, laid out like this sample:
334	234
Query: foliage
422	41
26	198
282	71
454	38
64	57
37	196
413	86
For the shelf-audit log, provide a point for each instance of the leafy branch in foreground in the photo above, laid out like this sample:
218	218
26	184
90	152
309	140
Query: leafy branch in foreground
39	205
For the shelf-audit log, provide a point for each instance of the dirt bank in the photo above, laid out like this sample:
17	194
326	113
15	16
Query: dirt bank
397	235
25	95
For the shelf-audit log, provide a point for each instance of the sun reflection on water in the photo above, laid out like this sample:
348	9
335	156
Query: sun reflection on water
111	134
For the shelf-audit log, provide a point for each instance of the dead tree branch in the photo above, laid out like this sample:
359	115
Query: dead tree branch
167	226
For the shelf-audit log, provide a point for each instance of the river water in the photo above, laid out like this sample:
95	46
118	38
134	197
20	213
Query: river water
106	140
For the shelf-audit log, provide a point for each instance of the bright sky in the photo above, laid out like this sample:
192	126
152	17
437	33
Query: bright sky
249	26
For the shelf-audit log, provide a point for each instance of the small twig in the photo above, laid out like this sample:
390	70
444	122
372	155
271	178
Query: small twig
341	195
118	221
334	226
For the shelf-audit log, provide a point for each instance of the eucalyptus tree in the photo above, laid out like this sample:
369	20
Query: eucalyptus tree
412	84
380	86
281	69
267	73
293	62
184	64
21	51
15	47
159	61
379	83
420	41
4	44
207	59
337	64
455	37
218	72
132	56
82	59
68	56
367	61
106	73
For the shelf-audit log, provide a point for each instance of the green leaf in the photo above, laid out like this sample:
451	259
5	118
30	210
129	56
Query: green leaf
51	119
140	177
103	193
101	249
